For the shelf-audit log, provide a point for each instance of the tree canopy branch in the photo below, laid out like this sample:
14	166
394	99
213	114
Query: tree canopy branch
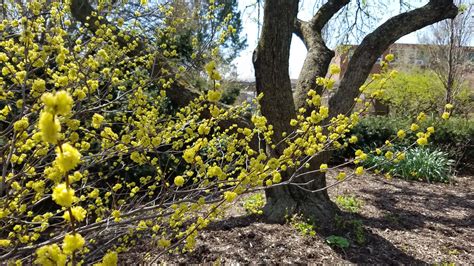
319	55
375	43
325	13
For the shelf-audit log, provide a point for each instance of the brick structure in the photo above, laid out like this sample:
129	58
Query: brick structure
406	55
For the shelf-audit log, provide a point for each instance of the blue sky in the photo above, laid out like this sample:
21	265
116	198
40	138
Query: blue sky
298	51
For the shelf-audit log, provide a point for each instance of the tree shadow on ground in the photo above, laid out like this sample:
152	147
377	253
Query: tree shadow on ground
405	208
365	245
234	222
375	249
396	206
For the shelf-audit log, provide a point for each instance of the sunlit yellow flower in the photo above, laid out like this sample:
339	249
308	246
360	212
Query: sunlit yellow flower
59	103
334	69
21	124
72	243
359	170
78	213
353	139
49	127
213	96
445	115
67	157
323	167
97	119
389	57
421	117
63	195
401	133
111	258
179	181
5	243
229	196
50	255
341	176
216	171
422	141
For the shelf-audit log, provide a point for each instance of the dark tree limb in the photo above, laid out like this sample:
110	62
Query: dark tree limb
271	63
319	56
374	44
325	13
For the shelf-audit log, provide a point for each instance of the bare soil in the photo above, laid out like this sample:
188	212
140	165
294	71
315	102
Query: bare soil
403	223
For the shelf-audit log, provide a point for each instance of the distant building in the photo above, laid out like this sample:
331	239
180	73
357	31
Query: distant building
406	55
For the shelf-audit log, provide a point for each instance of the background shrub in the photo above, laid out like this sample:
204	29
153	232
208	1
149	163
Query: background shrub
420	163
414	91
417	90
455	137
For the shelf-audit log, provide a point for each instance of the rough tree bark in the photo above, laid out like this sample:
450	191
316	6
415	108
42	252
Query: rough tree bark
271	62
271	72
319	56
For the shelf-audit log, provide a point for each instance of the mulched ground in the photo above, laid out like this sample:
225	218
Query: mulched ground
404	222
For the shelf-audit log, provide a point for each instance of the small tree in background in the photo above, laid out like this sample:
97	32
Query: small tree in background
449	50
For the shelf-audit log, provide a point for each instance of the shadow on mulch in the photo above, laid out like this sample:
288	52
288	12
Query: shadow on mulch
400	222
376	249
234	222
403	218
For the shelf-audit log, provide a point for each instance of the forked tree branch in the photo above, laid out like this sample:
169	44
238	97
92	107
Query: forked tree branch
319	55
375	43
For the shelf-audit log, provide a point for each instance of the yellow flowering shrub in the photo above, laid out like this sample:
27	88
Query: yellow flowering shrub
91	153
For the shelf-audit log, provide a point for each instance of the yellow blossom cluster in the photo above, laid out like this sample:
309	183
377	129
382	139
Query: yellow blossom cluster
89	129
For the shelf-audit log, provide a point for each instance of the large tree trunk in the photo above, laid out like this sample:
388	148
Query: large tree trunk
271	72
272	79
284	201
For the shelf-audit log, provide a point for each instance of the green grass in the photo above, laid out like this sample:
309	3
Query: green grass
349	203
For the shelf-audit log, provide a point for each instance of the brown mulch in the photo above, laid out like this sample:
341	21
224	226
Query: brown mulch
404	222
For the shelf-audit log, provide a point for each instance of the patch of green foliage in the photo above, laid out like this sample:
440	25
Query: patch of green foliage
348	203
421	164
355	226
446	263
454	137
358	229
254	204
416	90
338	241
304	227
231	91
